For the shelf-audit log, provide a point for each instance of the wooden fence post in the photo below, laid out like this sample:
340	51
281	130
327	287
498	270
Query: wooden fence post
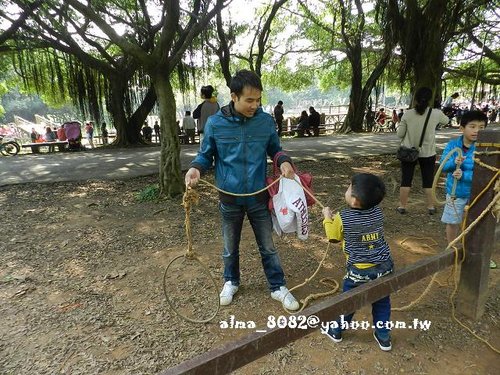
479	243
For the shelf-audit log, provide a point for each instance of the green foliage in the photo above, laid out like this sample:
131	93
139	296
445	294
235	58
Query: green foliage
149	193
300	77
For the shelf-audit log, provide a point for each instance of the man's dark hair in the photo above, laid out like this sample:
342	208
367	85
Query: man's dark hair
280	103
244	78
311	109
207	91
473	116
455	95
368	189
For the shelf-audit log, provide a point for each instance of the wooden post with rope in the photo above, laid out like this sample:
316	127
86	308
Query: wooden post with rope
479	243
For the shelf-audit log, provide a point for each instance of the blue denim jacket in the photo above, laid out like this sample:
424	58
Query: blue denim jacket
239	146
464	185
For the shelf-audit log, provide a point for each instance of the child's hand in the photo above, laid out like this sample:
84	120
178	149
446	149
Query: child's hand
457	174
327	213
459	160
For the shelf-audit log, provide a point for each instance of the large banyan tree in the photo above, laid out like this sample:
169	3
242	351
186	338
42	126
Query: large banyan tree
157	40
363	37
424	29
57	46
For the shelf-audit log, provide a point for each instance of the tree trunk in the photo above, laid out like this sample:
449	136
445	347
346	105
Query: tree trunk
142	112
428	68
171	180
125	134
354	118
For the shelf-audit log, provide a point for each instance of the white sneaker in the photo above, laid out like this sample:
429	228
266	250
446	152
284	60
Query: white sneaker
228	291
286	298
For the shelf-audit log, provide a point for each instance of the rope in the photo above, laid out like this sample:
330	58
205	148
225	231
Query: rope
324	281
438	175
487	144
493	203
487	166
494	206
402	243
192	197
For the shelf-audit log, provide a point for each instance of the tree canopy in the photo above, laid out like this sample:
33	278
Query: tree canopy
128	57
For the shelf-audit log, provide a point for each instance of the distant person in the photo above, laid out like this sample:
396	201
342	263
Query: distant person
303	125
360	229
370	119
314	120
410	131
34	138
448	103
50	136
34	135
278	116
449	108
147	132
492	116
400	115
104	133
61	136
156	128
395	120
205	109
380	117
189	127
89	133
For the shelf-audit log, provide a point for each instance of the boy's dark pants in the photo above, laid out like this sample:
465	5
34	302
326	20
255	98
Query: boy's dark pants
381	309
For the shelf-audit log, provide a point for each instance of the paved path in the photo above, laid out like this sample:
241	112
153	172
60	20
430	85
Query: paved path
125	163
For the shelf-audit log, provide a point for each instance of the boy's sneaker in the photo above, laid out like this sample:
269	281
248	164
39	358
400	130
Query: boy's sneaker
334	334
227	293
385	345
286	298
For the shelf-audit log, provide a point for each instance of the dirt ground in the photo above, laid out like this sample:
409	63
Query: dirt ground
81	290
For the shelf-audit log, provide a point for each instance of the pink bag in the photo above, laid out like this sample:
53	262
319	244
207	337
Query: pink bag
305	180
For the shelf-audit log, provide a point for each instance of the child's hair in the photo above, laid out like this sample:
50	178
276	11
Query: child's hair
244	78
368	189
207	91
422	98
473	116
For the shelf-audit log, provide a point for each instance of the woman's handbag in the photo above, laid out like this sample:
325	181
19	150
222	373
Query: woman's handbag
410	154
407	154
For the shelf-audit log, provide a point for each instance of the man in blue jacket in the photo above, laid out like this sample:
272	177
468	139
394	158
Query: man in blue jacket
238	138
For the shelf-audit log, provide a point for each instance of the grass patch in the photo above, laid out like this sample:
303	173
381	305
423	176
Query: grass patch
149	193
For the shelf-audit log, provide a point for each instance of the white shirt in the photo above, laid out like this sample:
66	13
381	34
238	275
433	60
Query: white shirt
188	123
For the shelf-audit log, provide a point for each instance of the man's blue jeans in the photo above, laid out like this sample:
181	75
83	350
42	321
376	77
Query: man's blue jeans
260	219
381	309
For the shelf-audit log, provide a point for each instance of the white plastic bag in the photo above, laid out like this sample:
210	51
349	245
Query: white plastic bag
290	209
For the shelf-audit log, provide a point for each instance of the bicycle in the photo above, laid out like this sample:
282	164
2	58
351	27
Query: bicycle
9	147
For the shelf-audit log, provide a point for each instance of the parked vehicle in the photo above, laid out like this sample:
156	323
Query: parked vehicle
9	147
